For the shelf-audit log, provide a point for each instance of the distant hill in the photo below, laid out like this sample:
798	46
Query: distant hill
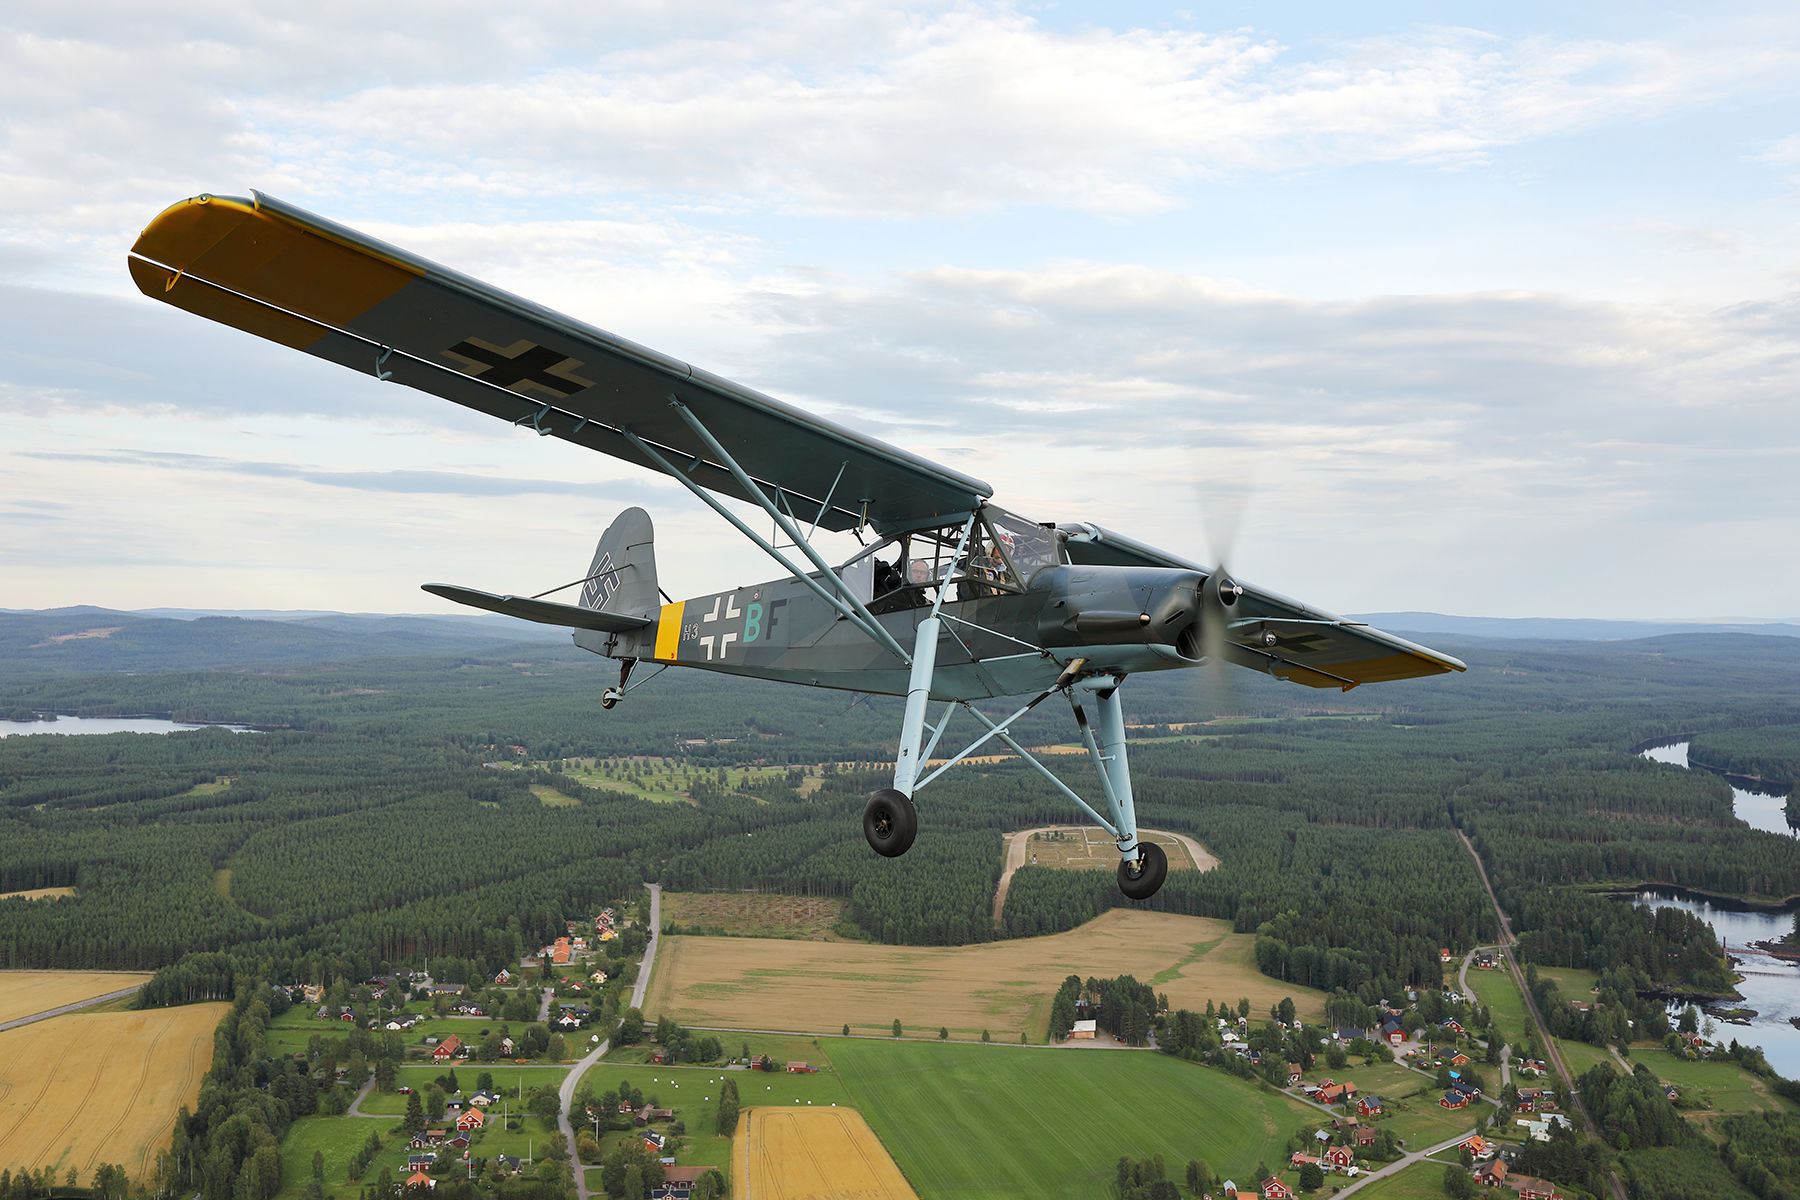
88	639
1579	629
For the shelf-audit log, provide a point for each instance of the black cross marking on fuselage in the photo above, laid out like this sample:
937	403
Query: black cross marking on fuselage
530	366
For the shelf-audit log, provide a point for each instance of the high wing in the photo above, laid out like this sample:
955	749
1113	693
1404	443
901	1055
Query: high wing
284	274
1276	635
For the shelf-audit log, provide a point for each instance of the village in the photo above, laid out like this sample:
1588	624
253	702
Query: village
1423	1066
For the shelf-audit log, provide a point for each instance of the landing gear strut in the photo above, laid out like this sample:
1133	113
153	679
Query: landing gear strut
890	822
613	695
1139	877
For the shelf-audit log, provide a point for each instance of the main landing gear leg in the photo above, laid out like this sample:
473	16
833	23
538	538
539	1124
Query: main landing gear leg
1142	865
890	822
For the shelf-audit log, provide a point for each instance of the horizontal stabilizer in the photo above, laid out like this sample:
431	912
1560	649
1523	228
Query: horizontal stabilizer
544	612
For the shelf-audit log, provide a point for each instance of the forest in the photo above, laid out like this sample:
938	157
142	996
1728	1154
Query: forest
1770	753
384	811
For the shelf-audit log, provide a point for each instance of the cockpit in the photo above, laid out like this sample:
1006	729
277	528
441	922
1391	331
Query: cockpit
1002	552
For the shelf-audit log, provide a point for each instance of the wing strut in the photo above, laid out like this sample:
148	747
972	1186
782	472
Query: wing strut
848	606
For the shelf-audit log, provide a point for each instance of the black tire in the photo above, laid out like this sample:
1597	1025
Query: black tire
890	823
1140	877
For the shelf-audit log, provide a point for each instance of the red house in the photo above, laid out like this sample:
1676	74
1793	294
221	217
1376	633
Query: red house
1365	1136
1274	1189
1368	1106
1340	1157
1454	1100
447	1049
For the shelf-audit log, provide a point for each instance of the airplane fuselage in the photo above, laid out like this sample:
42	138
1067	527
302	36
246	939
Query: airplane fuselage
1121	619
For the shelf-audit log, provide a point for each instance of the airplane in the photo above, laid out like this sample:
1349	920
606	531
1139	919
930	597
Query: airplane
948	597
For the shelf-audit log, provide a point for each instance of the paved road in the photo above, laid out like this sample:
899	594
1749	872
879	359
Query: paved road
593	1056
1400	1164
1510	946
67	1008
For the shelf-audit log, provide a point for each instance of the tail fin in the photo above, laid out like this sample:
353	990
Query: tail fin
618	596
622	578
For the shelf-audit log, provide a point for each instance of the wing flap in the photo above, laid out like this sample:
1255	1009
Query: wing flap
284	274
544	612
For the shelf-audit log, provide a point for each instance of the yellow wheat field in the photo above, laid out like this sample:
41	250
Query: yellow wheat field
23	993
91	1088
1004	987
812	1154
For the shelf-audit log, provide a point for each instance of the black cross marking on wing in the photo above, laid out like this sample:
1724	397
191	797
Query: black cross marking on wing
520	366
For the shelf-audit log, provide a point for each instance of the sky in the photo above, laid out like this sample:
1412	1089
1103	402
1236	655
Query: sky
1486	309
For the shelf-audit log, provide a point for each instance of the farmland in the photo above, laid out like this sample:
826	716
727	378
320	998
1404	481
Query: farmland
813	1154
743	914
1090	848
1421	1181
88	1088
1084	1110
23	993
772	984
1497	990
1722	1086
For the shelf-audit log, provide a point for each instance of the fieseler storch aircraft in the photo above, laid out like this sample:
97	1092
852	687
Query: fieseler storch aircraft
947	598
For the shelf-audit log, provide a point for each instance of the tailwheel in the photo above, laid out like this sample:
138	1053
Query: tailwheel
1140	877
890	822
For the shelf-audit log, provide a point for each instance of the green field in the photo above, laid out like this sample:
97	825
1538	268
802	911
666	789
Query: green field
1582	1057
1501	995
338	1138
1720	1086
1421	1181
1574	982
1043	1122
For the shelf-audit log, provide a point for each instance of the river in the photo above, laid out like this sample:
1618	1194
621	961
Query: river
81	725
1758	809
1771	986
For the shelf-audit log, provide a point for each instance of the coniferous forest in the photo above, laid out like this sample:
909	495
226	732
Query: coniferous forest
391	806
384	812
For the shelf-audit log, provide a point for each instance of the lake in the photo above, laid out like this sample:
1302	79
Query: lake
75	726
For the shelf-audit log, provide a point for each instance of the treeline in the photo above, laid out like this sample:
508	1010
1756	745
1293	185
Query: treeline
1767	752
